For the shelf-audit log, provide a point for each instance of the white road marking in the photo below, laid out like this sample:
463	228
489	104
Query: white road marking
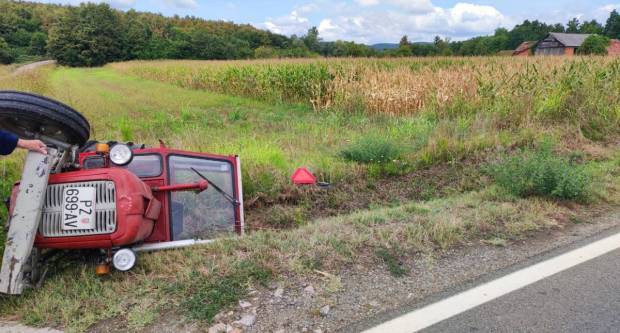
469	299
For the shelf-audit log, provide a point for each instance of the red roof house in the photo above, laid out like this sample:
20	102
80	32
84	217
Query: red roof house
525	49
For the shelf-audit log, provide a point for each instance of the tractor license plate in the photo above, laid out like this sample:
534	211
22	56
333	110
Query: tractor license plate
78	208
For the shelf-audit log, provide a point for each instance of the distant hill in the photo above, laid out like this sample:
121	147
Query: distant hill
391	46
384	46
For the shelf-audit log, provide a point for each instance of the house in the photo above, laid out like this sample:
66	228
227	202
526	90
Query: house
557	43
525	49
614	48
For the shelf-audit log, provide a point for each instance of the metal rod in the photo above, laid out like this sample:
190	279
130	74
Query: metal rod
240	195
217	188
48	140
197	186
170	245
25	219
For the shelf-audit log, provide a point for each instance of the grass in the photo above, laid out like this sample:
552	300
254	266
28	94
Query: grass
391	260
372	150
392	111
202	281
207	297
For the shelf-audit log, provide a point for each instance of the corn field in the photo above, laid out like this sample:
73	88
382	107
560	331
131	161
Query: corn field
552	87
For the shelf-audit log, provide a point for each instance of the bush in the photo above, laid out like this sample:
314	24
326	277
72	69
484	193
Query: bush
595	44
6	56
372	150
265	52
541	173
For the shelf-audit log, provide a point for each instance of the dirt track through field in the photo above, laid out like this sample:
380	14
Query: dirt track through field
32	66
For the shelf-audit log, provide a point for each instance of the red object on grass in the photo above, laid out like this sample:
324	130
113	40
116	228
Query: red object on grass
303	176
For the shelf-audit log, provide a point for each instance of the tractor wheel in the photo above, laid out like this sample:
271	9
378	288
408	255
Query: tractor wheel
26	115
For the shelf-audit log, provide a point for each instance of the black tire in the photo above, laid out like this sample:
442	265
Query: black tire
25	114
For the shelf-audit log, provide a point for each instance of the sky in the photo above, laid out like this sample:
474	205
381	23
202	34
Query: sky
377	21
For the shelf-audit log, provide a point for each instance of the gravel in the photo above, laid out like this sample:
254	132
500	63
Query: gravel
368	292
324	310
246	320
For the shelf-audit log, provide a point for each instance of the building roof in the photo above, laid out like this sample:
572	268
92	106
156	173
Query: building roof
524	47
570	40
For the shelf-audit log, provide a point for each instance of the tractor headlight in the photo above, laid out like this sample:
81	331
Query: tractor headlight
124	260
121	154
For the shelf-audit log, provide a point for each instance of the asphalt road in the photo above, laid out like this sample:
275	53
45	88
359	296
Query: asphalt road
585	298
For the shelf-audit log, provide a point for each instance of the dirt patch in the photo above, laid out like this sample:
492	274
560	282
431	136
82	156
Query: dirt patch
296	205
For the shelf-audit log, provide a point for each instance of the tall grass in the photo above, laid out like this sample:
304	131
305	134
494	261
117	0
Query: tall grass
35	81
580	90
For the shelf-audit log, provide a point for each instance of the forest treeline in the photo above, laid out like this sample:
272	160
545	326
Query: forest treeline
95	34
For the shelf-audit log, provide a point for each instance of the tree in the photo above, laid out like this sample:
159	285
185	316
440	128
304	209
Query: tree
38	44
595	44
312	40
612	27
573	26
423	49
531	30
88	35
591	27
79	39
5	53
404	41
443	46
137	36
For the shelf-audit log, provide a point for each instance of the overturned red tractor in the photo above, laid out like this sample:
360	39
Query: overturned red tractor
121	198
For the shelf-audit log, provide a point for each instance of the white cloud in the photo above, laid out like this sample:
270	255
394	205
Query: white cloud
294	23
414	6
367	2
474	18
609	8
463	20
602	13
411	6
182	3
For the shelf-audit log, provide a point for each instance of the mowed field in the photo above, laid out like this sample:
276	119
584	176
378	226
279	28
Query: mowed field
422	154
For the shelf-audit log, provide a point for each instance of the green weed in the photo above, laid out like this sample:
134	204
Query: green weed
540	173
206	296
372	149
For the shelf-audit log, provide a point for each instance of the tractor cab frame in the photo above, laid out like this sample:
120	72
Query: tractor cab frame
188	211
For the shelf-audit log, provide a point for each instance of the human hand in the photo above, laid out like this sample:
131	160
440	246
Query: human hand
33	145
